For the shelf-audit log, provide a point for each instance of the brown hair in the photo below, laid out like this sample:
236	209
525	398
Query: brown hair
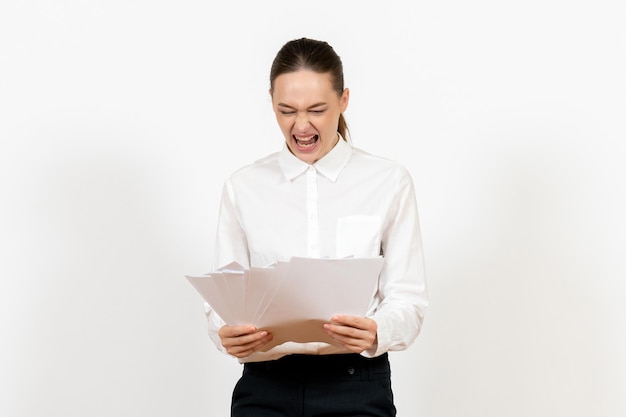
313	55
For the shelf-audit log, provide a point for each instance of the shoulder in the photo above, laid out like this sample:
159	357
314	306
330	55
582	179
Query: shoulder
261	168
268	162
378	163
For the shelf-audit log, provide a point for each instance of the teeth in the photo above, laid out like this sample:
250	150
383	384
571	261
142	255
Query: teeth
305	142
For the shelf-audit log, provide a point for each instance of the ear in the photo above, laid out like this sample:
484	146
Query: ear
345	98
271	95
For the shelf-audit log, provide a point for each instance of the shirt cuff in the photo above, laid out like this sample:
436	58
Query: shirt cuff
382	340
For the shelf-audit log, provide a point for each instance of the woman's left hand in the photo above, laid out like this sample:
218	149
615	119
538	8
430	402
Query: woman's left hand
355	333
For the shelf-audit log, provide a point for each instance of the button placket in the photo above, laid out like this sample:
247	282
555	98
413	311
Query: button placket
312	214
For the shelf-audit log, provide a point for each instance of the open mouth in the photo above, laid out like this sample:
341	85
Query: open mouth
304	142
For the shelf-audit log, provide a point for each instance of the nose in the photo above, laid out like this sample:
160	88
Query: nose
302	121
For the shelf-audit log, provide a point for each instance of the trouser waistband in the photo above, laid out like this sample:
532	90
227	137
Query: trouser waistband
299	366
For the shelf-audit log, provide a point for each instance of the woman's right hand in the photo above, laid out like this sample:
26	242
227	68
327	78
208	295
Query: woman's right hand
242	341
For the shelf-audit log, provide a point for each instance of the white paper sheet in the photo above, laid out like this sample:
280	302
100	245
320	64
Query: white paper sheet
292	300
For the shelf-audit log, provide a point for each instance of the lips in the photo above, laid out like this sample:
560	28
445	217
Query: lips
305	142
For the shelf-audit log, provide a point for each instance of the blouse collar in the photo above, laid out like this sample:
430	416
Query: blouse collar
329	166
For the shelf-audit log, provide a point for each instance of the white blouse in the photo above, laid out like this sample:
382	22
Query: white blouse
349	203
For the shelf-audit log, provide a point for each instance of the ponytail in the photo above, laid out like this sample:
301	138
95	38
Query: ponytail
342	128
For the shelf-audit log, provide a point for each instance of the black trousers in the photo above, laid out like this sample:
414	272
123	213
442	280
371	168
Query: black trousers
315	386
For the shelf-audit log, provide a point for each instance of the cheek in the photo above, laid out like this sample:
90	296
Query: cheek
284	125
330	123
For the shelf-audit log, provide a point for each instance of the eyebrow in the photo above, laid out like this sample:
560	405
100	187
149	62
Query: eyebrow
310	107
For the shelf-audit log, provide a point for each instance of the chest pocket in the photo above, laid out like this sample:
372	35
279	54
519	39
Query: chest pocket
358	236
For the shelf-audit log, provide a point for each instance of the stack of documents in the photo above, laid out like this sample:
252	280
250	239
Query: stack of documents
292	300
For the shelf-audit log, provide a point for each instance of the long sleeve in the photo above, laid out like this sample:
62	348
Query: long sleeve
230	245
402	287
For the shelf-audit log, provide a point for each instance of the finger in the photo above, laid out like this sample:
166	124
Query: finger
351	337
241	351
244	340
345	331
354	345
235	331
362	323
368	331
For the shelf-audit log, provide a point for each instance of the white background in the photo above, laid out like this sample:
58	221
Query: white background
120	120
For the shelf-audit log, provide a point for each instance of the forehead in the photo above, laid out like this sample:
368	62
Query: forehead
302	85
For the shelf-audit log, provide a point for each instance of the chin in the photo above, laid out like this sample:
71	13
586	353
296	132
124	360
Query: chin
308	157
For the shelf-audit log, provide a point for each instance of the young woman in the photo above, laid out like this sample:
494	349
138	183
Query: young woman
321	197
